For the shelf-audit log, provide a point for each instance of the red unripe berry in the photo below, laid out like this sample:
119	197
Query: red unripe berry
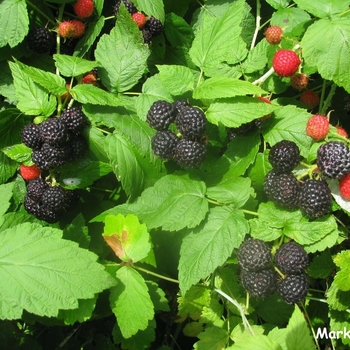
310	98
273	35
341	131
29	172
84	8
66	29
139	18
79	28
317	127
344	186
285	63
299	81
89	78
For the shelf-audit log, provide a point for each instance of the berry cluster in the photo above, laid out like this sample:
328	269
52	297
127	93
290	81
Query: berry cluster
312	196
46	202
56	141
260	279
187	150
149	25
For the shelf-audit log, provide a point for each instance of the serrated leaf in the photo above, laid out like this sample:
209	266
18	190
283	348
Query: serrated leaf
289	123
278	4
340	321
257	58
238	111
131	302
63	272
321	9
337	299
210	245
81	314
256	341
152	8
298	334
129	239
124	163
341	279
321	266
51	82
158	297
177	79
263	231
231	190
19	153
72	66
214	40
7	168
88	93
32	99
326	42
220	87
5	195
213	338
14	22
83	173
178	31
123	61
91	34
152	90
173	203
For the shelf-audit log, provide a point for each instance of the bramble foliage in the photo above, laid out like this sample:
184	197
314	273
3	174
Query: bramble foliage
146	256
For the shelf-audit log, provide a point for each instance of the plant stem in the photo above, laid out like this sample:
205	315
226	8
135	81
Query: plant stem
257	23
323	92
239	307
264	77
310	325
328	100
250	212
155	274
40	12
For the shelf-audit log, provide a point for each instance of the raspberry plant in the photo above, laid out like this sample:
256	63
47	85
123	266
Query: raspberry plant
146	257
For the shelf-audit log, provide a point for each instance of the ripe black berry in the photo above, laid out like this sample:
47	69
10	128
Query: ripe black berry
40	40
315	198
191	123
254	255
74	119
130	6
31	136
180	104
51	156
293	288
36	188
333	159
284	156
259	283
282	189
77	146
55	198
31	206
154	25
189	153
147	35
53	131
160	115
291	258
164	144
244	129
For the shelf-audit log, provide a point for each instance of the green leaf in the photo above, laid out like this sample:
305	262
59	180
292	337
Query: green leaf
32	99
220	87
176	79
72	66
83	173
124	163
256	341
92	32
231	190
173	203
129	239
131	302
19	153
289	123
192	303
321	9
7	168
238	111
178	31
123	61
337	299
298	334
77	231
81	314
257	58
51	82
216	36
278	4
213	338
5	195
159	300
341	279
262	230
340	321
88	93
326	47
63	272
152	8
321	266
152	90
210	245
14	22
